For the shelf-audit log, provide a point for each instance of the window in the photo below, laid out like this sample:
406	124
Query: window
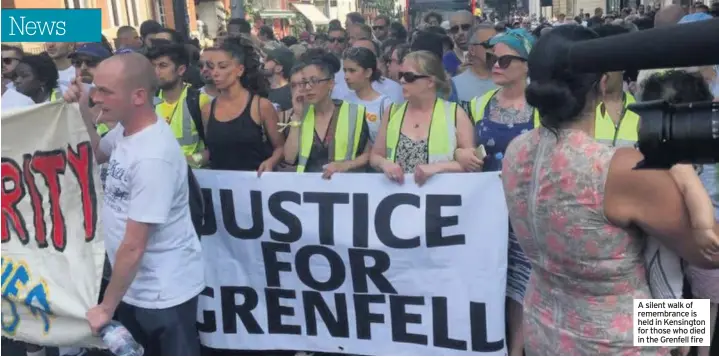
160	12
132	15
75	4
115	12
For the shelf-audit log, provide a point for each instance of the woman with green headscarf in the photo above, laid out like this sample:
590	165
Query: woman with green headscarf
501	115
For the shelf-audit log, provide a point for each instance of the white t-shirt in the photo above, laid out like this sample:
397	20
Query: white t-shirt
385	86
65	78
12	99
147	182
374	110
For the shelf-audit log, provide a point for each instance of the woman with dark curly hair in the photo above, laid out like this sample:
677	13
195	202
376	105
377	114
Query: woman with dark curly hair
241	123
36	77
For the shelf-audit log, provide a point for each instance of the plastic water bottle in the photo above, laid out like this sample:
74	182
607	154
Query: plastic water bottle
499	156
120	341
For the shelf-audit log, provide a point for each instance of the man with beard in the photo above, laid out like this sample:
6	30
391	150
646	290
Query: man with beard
381	27
181	106
86	58
60	52
11	56
460	24
206	65
277	67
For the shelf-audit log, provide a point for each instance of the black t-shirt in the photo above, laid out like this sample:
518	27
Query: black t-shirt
281	96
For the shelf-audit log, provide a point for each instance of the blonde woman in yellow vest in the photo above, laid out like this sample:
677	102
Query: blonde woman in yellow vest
179	101
37	78
420	136
325	135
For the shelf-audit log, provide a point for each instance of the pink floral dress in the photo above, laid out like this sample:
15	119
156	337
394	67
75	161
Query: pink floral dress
585	271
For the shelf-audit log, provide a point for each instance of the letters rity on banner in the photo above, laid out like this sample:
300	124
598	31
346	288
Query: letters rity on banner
52	256
355	264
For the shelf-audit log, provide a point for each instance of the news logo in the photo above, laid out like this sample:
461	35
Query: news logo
51	25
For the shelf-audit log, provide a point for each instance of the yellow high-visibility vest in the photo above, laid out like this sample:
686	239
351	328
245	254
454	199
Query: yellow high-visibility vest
54	95
183	126
348	131
478	106
624	133
442	139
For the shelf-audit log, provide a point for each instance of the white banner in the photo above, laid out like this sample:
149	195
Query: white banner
52	253
355	265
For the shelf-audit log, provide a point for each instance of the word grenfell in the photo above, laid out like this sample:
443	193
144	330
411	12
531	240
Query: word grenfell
329	269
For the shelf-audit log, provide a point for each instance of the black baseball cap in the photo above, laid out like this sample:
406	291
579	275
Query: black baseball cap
282	56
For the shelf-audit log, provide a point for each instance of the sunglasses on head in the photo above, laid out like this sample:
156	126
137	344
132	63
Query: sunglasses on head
502	61
77	62
410	77
455	29
337	39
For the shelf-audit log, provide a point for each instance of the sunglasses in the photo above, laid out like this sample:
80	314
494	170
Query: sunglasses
378	28
337	39
9	60
410	77
502	61
455	29
90	63
484	44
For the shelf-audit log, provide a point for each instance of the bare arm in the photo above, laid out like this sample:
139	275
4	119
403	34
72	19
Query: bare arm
293	140
127	262
653	201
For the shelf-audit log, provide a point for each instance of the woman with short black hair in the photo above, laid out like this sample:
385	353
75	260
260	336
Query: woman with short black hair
36	76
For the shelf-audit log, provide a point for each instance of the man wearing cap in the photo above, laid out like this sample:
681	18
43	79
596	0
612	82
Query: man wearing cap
277	67
86	58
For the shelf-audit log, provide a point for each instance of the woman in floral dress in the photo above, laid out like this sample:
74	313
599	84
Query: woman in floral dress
580	212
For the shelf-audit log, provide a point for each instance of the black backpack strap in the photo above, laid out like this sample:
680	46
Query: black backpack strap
193	103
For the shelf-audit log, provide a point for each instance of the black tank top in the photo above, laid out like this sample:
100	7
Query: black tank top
239	144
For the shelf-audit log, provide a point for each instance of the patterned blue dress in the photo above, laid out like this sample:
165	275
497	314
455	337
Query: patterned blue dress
498	127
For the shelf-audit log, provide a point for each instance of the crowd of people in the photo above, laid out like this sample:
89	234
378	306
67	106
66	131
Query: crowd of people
474	95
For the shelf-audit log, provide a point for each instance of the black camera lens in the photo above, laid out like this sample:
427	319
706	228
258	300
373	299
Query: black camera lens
671	134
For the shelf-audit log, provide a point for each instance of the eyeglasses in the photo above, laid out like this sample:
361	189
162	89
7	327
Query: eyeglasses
378	28
309	84
9	60
502	61
337	39
90	63
455	29
410	77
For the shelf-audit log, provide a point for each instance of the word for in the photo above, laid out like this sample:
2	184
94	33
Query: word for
19	182
32	28
277	205
674	322
18	287
352	317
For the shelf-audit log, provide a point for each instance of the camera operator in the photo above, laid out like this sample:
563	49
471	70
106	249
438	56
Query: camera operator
590	212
